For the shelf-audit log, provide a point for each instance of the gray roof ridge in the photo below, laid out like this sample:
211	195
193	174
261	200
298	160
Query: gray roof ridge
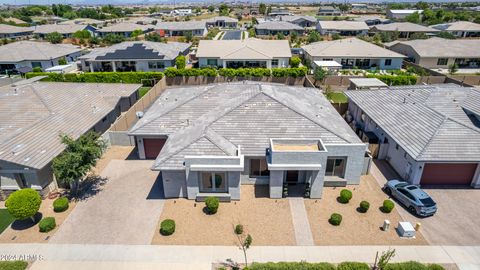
445	118
208	135
246	46
186	144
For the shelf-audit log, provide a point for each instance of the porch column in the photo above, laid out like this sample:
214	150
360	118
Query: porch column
114	68
91	67
476	177
276	184
192	184
316	186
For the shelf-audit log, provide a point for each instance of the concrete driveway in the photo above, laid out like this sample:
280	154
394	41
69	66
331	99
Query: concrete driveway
458	216
125	211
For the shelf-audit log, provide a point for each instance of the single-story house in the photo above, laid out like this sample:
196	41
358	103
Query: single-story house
244	53
371	20
67	30
276	12
34	115
223	135
144	20
134	56
353	52
277	27
124	29
460	29
15	32
182	12
300	20
428	133
197	28
85	21
404	29
441	53
31	54
343	28
328	11
222	21
400	14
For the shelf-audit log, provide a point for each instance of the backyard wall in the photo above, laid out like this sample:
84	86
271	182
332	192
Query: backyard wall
199	80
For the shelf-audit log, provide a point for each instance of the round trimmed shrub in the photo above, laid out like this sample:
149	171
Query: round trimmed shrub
388	206
239	229
23	203
335	219
167	227
212	203
47	224
345	196
435	266
353	266
364	206
60	204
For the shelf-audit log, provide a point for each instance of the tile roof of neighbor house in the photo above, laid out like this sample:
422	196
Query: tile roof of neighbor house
349	47
344	25
278	25
244	49
181	26
218	118
364	18
221	18
34	50
33	115
458	26
405	11
428	121
83	21
403	27
292	18
60	28
125	27
440	47
14	20
10	29
138	50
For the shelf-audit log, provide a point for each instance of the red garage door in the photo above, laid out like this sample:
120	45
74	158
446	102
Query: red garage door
448	174
152	147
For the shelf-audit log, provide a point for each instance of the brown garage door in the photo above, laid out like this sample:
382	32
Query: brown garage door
152	147
448	173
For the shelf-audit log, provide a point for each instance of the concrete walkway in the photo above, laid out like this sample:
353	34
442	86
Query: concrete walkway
184	257
301	225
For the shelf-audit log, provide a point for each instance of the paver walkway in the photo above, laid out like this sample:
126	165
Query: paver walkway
303	233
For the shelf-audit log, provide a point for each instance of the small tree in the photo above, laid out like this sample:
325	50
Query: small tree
453	68
280	36
23	203
188	36
244	241
295	62
136	33
384	259
111	38
62	61
82	34
211	8
319	74
181	62
54	37
314	36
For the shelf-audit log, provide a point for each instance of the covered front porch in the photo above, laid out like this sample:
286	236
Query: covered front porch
113	66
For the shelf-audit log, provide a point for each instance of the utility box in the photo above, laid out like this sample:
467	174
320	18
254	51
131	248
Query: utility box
405	229
386	225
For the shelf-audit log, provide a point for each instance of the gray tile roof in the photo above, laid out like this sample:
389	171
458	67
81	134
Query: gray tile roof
33	115
440	47
181	26
428	122
221	18
10	29
125	27
32	50
60	28
458	26
293	18
278	25
250	48
224	116
403	27
343	25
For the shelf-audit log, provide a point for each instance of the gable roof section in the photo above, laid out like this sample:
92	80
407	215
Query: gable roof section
278	25
181	26
458	26
440	47
60	28
125	27
343	25
32	50
244	49
403	27
296	18
10	29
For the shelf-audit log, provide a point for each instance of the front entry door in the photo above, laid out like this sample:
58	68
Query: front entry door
292	177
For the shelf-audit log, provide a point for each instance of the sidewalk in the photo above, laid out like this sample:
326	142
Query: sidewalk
184	257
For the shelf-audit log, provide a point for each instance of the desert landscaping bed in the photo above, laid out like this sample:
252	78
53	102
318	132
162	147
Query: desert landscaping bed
268	221
356	228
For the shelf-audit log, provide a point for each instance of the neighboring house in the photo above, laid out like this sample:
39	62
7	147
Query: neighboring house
353	53
67	30
428	133
31	54
85	21
223	135
182	12
441	53
400	14
134	56
124	29
328	11
14	20
275	27
222	21
35	114
404	29
15	32
343	28
244	53
460	29
302	21
279	12
144	20
48	19
172	29
371	20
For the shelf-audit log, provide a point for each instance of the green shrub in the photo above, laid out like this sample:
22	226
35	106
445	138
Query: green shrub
23	203
212	203
295	62
289	72
244	72
60	204
167	227
353	266
364	206
47	224
345	196
335	219
62	61
100	77
435	266
410	265
291	266
180	62
37	69
239	229
13	265
388	206
191	72
395	80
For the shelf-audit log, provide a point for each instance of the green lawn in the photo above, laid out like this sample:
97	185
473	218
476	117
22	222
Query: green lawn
5	219
337	97
13	265
143	90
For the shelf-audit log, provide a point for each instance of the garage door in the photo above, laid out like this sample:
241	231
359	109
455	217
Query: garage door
448	174
152	147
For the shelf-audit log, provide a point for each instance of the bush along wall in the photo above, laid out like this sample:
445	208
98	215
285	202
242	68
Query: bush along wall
240	72
396	79
101	77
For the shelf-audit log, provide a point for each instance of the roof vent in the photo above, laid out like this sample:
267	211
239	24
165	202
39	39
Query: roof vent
139	114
